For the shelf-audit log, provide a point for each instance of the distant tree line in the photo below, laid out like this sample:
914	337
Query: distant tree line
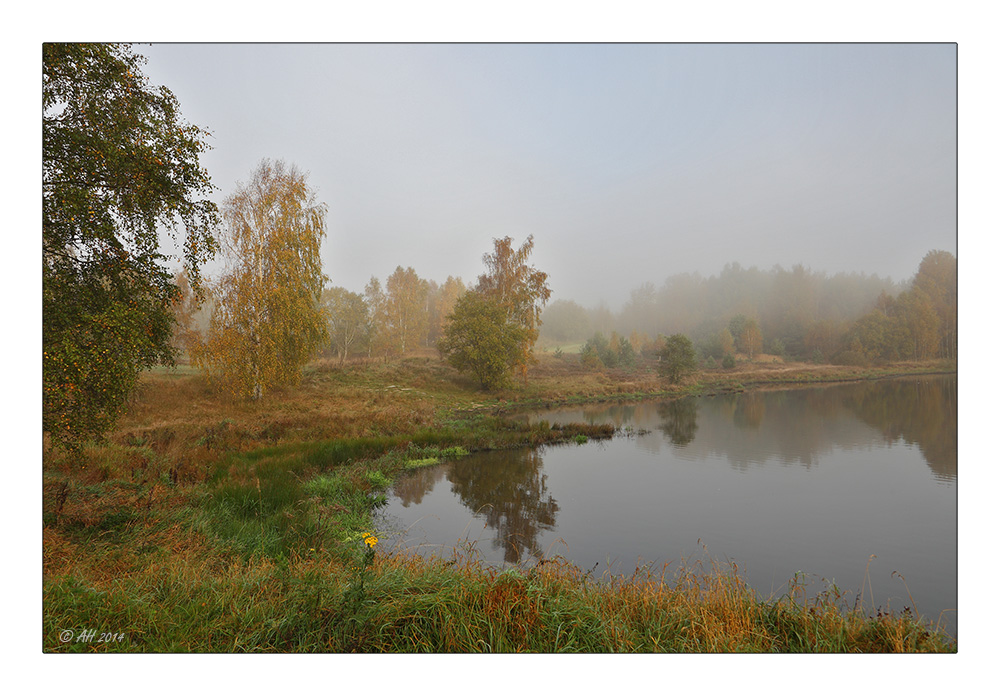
489	329
795	314
917	324
388	320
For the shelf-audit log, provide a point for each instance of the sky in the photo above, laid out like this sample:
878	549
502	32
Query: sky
627	163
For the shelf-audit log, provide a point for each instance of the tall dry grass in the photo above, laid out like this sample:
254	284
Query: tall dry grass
410	604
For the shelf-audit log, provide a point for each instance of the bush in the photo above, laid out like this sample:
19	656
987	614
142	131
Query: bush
626	353
677	358
776	347
481	340
728	362
589	357
851	358
601	351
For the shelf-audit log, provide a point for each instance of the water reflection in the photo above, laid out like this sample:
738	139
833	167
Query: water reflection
921	412
749	411
797	426
802	426
511	494
412	488
816	479
506	489
679	420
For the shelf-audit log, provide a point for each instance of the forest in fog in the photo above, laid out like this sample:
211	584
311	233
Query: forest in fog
796	314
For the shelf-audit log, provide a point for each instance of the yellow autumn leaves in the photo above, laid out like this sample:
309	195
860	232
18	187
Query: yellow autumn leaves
267	322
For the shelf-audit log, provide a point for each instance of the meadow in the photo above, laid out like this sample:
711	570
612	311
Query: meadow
205	524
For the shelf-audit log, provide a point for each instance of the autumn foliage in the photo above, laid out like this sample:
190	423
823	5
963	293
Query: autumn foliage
118	165
521	290
493	328
268	321
480	339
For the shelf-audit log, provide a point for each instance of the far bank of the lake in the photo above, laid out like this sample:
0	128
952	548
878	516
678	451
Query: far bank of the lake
559	385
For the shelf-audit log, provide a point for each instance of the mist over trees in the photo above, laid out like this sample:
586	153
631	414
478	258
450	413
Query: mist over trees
793	313
121	167
347	320
917	324
407	313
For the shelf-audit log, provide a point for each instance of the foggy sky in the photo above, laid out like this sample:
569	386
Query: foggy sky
628	163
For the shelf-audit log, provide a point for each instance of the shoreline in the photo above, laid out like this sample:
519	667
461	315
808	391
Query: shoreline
753	380
255	516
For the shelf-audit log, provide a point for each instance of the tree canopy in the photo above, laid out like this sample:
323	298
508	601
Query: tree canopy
268	321
405	309
920	323
118	166
519	289
480	338
677	358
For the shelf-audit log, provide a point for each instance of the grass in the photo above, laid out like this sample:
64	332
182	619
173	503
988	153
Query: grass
206	525
406	604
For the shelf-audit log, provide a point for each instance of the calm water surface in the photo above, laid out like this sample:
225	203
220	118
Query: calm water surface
811	480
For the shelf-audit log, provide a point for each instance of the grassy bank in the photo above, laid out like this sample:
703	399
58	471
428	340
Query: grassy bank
205	524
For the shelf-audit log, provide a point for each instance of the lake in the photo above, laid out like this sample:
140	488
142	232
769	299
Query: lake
853	484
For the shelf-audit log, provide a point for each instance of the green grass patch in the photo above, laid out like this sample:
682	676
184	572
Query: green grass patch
421	463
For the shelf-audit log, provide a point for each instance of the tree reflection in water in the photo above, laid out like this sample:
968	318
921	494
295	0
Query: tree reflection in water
918	411
750	410
511	493
797	427
800	425
411	488
679	420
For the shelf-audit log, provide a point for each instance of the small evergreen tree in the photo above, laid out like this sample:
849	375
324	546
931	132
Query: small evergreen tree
626	354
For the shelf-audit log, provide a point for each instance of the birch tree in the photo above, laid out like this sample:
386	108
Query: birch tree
119	164
521	290
442	304
406	309
347	317
378	333
268	321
